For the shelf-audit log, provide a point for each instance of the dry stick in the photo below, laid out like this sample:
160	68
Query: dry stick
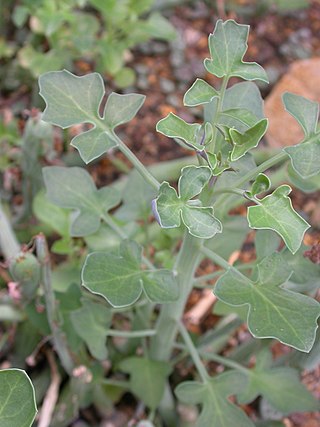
199	310
52	395
8	241
221	9
207	300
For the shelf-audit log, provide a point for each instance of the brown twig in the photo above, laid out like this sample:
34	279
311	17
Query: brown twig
52	395
199	310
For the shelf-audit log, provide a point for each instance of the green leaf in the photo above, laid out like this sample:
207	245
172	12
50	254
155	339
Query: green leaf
275	312
275	212
169	208
17	399
137	198
261	184
119	278
192	180
227	45
266	242
50	214
147	378
308	185
72	100
306	112
305	157
306	274
195	136
217	410
280	386
241	115
158	27
121	109
74	188
125	77
244	142
199	93
235	231
91	322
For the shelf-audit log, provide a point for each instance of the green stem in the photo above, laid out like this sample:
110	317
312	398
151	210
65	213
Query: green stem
224	361
115	383
131	334
193	352
8	242
218	273
51	305
217	259
236	191
277	159
222	92
214	357
136	163
186	264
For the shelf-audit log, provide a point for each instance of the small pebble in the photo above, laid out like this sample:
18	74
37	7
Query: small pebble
167	86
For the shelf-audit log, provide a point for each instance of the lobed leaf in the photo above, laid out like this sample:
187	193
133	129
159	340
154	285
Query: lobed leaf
305	157
74	188
274	312
50	214
280	386
147	378
227	45
169	208
199	93
217	409
119	278
73	100
194	135
261	184
91	322
275	212
17	399
244	142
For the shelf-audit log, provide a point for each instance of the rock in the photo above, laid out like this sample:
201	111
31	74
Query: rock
167	86
303	78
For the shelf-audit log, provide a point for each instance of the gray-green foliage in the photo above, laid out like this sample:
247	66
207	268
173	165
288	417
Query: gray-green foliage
91	30
217	410
274	312
17	399
120	279
74	188
305	157
272	291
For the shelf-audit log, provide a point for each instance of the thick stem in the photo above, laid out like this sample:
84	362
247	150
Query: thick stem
51	305
186	264
8	242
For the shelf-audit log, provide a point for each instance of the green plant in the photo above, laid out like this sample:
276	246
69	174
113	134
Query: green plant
99	32
122	281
